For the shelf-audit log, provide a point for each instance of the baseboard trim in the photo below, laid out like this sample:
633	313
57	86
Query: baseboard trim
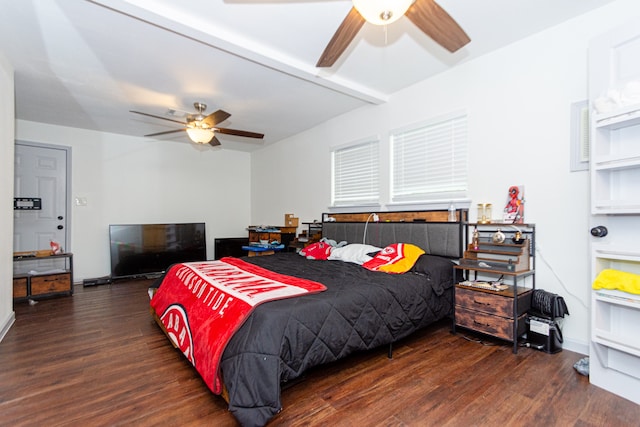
576	346
7	324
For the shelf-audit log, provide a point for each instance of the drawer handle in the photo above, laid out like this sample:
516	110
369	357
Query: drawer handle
480	323
480	302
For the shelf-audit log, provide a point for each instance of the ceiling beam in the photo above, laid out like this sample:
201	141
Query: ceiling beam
236	44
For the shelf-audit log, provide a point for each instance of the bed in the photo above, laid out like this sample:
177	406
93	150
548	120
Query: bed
358	310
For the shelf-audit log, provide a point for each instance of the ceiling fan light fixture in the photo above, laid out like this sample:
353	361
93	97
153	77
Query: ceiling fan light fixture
382	12
200	135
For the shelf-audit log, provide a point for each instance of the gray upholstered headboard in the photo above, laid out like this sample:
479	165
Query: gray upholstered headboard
436	236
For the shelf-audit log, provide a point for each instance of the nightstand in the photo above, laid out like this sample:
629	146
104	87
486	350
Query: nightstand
500	314
495	300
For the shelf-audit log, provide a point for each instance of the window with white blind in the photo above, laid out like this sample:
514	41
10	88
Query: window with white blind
430	162
355	174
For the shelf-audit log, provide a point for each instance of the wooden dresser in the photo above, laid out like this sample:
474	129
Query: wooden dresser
493	312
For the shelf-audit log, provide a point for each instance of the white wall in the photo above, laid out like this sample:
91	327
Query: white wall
518	103
7	119
130	180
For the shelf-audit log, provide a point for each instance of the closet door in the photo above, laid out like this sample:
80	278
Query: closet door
614	99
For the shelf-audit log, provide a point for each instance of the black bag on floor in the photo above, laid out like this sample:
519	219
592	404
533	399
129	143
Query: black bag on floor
547	305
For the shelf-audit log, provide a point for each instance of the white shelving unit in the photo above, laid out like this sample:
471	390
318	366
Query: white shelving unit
615	177
615	341
614	81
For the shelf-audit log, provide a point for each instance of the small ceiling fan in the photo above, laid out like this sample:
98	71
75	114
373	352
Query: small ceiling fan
425	14
202	129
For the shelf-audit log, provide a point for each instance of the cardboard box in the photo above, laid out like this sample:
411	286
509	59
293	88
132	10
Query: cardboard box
290	220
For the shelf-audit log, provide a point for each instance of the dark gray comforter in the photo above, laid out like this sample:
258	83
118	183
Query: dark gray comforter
360	310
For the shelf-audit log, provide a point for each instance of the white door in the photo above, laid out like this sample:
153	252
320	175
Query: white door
41	172
614	95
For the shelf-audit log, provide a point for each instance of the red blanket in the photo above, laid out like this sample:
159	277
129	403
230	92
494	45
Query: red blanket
202	304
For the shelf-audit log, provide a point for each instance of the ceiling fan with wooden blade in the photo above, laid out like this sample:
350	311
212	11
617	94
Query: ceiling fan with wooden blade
427	15
201	129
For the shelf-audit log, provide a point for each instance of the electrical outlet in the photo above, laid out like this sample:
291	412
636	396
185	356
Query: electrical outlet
376	218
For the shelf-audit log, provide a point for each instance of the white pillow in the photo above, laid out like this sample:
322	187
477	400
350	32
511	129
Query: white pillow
355	253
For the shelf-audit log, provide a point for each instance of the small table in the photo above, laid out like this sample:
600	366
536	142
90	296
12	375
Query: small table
55	279
262	250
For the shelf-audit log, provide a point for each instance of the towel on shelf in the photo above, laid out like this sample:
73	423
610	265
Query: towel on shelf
620	280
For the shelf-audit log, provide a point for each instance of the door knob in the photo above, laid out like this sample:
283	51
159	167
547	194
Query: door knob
599	231
60	227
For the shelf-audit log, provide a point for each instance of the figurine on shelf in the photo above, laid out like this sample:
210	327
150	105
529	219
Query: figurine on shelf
476	238
517	238
514	210
56	249
498	236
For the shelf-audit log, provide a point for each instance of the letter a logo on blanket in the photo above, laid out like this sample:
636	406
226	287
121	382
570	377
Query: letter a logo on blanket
177	327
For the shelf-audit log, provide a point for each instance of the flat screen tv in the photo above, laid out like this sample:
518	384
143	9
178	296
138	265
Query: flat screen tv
145	250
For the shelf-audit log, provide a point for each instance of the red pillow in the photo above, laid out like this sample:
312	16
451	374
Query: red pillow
318	250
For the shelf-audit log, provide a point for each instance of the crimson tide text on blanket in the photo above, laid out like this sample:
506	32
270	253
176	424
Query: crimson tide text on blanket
202	304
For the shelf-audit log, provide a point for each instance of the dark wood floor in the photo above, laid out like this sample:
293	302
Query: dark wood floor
98	359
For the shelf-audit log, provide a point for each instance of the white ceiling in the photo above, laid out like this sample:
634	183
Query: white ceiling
86	63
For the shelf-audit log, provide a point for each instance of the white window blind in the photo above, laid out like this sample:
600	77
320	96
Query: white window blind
355	172
430	162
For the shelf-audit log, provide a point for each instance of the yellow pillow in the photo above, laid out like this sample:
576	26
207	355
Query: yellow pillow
620	280
397	258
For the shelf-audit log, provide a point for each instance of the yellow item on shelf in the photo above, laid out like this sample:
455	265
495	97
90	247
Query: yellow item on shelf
620	280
